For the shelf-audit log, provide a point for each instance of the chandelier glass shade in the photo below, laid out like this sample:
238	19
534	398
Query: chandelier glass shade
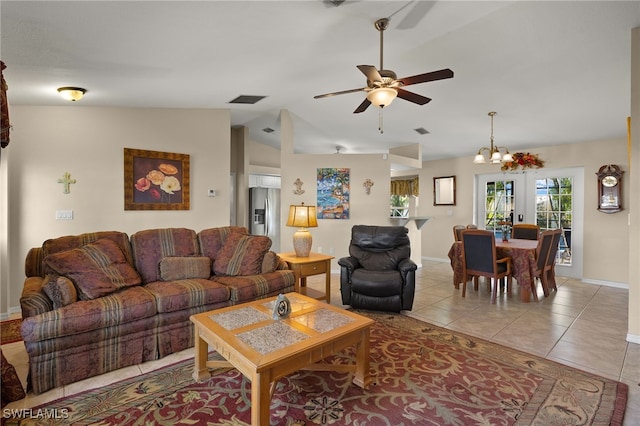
495	154
382	96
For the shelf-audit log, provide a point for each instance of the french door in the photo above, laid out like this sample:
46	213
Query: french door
550	198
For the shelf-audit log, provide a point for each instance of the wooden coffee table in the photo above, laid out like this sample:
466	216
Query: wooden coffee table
264	349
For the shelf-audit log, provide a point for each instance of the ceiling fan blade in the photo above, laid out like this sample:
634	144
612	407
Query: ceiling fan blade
429	76
412	97
326	95
363	106
371	72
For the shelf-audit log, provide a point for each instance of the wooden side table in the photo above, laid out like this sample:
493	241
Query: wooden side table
304	267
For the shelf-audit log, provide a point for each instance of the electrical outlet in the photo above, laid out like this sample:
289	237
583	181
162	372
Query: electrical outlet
64	214
332	250
211	193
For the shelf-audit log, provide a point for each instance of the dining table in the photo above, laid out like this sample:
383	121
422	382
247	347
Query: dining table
523	262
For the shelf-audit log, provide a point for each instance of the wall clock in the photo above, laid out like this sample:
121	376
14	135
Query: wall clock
609	188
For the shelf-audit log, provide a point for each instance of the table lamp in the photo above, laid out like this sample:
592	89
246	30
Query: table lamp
302	217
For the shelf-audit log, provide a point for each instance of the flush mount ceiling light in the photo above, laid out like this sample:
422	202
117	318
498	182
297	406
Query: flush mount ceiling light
72	93
494	154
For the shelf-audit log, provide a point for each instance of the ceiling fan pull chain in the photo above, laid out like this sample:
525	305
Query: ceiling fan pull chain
380	128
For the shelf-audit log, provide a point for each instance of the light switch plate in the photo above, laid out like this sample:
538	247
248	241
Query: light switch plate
64	214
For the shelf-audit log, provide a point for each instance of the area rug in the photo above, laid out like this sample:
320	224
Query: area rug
424	375
10	331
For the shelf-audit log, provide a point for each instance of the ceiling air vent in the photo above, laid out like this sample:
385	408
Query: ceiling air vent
268	130
247	99
422	131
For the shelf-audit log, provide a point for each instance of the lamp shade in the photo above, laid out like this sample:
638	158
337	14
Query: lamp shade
382	97
302	216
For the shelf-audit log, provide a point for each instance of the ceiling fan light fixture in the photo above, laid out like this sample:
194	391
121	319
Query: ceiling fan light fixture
72	94
382	96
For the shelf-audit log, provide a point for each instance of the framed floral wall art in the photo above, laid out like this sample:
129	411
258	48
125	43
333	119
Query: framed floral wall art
155	180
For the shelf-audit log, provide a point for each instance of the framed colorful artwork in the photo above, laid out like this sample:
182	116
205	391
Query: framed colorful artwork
155	180
333	193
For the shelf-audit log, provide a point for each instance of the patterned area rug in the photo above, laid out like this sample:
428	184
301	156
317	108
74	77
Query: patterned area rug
425	375
10	331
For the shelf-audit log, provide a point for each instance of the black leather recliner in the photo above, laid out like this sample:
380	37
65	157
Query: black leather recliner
379	274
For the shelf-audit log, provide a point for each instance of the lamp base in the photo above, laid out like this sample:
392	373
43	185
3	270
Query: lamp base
302	243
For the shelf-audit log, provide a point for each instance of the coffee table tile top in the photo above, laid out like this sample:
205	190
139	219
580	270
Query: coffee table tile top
272	337
323	320
239	318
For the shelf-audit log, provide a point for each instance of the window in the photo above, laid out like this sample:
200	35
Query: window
399	206
554	209
499	200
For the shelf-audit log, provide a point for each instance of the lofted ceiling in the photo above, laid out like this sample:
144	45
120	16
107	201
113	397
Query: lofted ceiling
555	71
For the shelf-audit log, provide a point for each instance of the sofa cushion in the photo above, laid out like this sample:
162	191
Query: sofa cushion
127	305
241	255
211	240
69	242
246	288
60	290
152	245
184	294
97	268
184	267
270	262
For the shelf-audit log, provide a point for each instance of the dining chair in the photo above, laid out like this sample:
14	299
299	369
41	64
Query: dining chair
479	259
542	254
548	276
457	232
472	226
525	231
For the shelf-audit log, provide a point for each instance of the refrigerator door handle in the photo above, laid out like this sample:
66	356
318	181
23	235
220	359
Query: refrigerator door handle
266	219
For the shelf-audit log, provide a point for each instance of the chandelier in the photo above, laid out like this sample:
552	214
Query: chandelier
494	152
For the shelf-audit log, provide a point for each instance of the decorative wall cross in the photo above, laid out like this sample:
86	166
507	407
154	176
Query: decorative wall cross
66	181
298	183
368	183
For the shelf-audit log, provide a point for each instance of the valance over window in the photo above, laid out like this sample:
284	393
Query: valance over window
406	186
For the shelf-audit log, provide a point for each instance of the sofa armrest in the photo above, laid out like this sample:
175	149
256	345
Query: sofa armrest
33	263
34	300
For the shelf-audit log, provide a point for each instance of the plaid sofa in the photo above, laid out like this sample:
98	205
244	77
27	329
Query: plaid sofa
96	302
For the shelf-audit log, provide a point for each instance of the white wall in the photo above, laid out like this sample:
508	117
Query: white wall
88	143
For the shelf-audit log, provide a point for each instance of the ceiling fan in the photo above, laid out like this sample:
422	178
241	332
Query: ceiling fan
383	85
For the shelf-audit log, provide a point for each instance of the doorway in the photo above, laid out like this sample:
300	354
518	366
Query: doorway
550	198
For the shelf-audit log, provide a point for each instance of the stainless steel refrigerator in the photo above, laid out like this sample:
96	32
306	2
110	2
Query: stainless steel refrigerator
264	214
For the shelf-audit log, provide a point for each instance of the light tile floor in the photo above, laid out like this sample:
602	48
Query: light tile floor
580	325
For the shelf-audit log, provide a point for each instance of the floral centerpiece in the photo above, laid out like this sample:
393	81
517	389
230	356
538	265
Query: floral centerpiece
524	160
506	228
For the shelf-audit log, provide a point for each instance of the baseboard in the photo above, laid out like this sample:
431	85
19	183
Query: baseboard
614	284
436	259
633	338
12	310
